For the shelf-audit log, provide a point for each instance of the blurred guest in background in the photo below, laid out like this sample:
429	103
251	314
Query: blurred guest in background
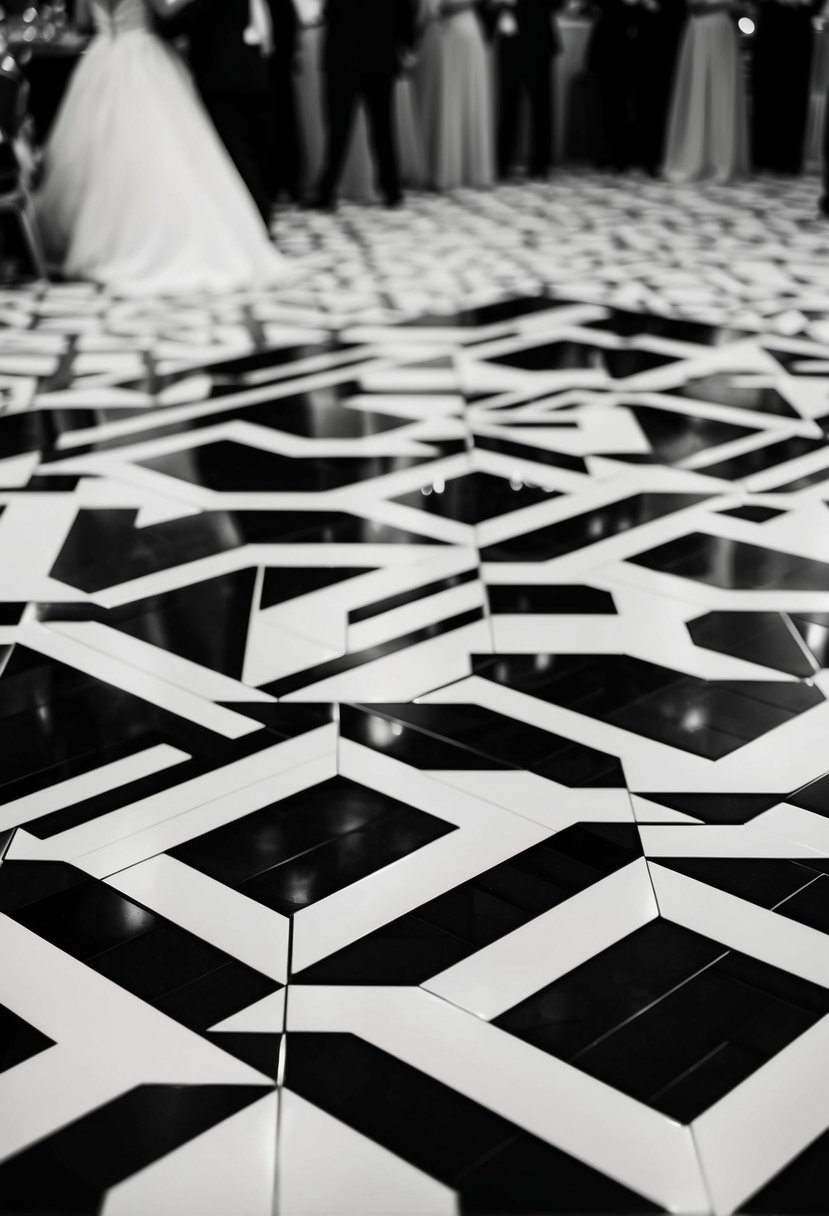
707	128
454	86
286	168
527	41
617	60
367	43
231	53
782	52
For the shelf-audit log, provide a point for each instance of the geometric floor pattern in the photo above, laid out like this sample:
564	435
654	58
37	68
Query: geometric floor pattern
415	795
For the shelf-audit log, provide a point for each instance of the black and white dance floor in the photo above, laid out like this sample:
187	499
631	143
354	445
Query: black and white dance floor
414	789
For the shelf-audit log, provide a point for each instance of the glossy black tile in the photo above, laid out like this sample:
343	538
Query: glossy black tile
800	1187
705	717
39	430
19	1040
231	467
627	324
368	611
674	437
475	497
287	720
71	1170
577	532
104	548
284	583
512	309
796	363
320	413
26	882
87	919
566	355
588	1003
810	906
537	453
815	638
727	389
754	513
59	723
204	621
759	460
10	614
84	810
544	599
415	1117
801	483
492	1164
761	880
717	808
529	1176
216	995
348	662
261	1051
765	638
474	914
813	797
734	565
648	1016
307	846
457	736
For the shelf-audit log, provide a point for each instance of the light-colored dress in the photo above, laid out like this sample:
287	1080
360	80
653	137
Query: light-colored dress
454	84
139	193
708	123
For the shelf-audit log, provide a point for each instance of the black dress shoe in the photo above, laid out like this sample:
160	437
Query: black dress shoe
392	201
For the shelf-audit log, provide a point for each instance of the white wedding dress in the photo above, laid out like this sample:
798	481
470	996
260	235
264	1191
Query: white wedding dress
139	193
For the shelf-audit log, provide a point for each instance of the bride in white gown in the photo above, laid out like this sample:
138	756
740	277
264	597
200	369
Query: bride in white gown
139	193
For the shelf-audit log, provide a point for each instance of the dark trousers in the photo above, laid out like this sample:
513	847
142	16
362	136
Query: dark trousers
286	161
246	128
520	76
344	88
780	78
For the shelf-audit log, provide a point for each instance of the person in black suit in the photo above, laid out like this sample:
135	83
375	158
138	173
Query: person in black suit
632	55
366	43
527	42
286	163
781	59
231	49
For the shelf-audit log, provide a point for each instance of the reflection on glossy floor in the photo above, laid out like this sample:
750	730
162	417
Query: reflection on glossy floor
414	789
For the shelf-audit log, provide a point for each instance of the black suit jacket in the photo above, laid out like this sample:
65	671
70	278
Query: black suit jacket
538	36
537	29
368	36
221	61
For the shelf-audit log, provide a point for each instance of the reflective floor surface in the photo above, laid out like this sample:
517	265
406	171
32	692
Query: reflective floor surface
414	791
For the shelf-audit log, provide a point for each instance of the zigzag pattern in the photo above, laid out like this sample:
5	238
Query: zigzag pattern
414	796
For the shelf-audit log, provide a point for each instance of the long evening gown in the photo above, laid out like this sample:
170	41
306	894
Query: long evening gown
139	194
455	89
708	128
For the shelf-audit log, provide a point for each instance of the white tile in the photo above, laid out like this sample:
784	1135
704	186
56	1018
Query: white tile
327	1167
500	976
226	918
229	1168
548	1098
90	784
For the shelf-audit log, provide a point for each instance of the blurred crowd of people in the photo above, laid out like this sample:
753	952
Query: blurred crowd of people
664	87
186	117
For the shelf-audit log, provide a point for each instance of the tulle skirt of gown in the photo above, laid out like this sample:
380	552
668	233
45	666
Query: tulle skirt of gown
455	88
708	123
139	194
